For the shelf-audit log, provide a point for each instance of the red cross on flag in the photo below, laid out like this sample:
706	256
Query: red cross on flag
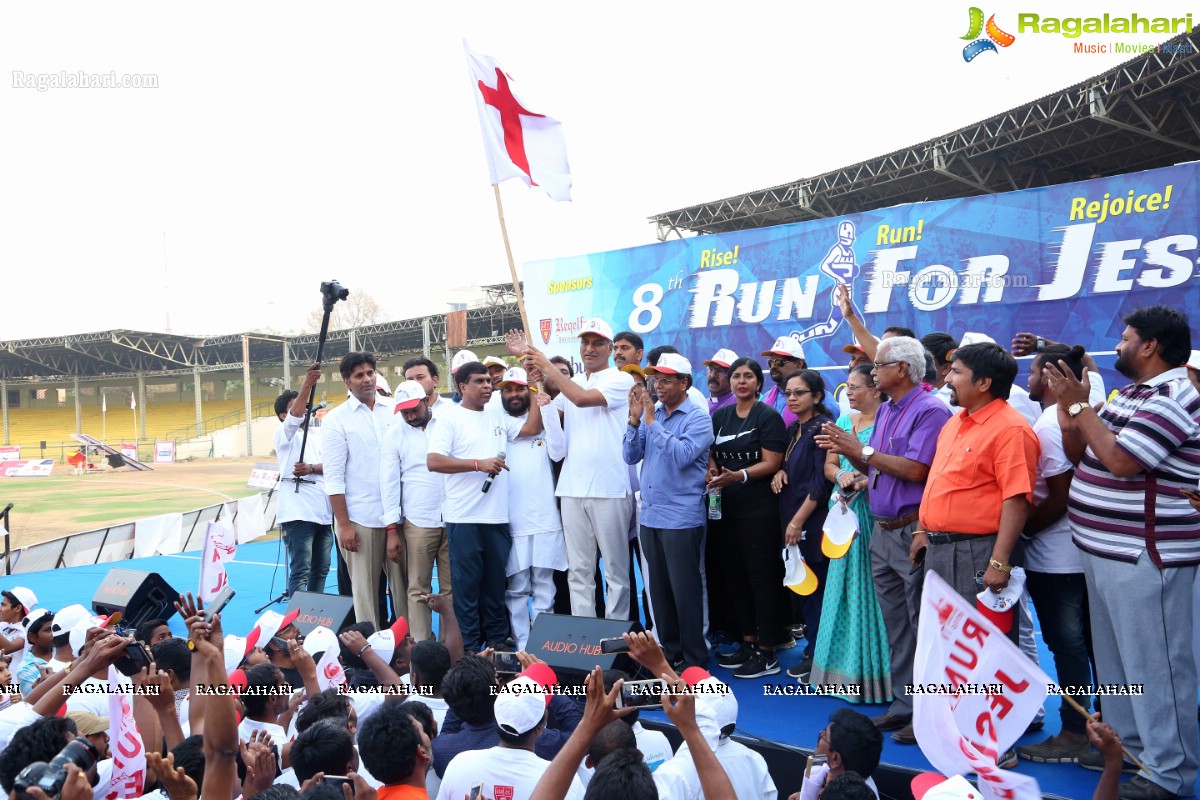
518	142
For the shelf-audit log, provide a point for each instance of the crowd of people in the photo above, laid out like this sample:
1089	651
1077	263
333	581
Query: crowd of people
537	489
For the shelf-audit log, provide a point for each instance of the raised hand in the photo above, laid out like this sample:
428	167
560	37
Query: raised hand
516	342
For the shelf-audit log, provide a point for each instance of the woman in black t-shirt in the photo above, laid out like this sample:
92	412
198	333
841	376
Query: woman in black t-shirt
748	448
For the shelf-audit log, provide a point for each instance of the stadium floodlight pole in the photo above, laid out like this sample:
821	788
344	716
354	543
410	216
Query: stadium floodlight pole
331	293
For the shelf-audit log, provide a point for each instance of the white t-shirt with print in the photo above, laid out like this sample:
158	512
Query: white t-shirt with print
462	433
595	466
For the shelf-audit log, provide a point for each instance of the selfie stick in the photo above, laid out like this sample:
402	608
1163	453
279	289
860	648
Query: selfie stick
331	292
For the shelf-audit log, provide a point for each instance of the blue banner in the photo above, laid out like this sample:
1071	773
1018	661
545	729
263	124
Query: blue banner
1066	261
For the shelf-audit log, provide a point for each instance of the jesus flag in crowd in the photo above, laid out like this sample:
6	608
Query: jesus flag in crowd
958	647
518	142
220	545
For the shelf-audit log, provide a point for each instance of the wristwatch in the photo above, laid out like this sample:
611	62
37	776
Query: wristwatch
867	452
1075	409
1039	344
1000	566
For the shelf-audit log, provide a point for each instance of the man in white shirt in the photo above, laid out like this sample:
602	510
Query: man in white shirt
594	483
468	444
412	500
353	435
304	514
425	372
538	547
511	769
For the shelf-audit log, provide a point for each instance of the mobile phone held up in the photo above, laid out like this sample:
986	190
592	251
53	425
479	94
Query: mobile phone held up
219	602
506	663
641	694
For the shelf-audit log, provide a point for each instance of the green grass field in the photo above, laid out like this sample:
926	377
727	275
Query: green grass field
47	508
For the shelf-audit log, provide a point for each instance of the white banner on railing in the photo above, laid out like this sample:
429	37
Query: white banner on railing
153	535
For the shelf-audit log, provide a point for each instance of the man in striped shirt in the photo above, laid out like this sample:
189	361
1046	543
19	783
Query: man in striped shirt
1141	542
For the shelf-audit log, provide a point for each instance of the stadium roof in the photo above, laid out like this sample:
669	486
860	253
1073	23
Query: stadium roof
121	353
1139	115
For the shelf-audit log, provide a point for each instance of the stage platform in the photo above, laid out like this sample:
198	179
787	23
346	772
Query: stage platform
784	728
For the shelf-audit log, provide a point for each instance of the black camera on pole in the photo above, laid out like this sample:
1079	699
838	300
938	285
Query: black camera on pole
51	777
332	291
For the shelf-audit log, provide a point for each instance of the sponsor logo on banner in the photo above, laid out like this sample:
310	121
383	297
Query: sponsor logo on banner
572	285
38	468
544	325
264	475
13	452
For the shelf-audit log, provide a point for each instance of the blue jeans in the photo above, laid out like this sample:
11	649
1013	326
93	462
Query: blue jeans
309	545
1061	601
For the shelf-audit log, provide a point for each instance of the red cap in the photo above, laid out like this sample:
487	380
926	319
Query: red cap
1001	619
62	711
252	640
288	619
399	629
544	676
237	679
693	675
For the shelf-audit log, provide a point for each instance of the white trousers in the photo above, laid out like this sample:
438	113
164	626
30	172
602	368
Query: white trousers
600	524
537	582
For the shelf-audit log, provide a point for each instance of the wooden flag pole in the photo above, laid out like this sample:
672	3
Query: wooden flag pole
1073	704
512	267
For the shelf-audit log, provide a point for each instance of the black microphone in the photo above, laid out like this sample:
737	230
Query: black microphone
319	406
487	483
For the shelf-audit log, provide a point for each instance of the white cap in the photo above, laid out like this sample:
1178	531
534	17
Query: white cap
671	364
318	640
714	697
520	706
26	597
494	361
235	651
384	642
1194	361
272	622
787	346
460	358
931	786
67	618
596	327
975	338
998	606
722	358
408	394
79	632
515	375
381	383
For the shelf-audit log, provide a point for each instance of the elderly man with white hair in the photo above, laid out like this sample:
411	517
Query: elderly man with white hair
896	462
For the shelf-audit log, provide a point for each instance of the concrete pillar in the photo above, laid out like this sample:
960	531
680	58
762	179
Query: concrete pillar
141	378
78	407
4	407
246	389
425	335
198	391
287	365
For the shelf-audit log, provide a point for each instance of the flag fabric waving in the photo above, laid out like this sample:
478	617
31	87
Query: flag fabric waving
999	692
518	142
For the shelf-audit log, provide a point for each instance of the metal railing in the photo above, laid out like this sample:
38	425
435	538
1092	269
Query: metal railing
116	542
207	426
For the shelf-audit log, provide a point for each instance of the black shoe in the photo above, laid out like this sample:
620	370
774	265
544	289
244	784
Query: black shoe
907	735
738	657
802	670
1095	762
891	722
798	631
760	664
1139	788
1035	726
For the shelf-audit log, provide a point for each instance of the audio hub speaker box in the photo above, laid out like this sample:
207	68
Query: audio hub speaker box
329	610
139	596
571	645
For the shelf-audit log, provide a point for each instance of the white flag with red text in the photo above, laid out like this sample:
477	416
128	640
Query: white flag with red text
957	646
519	143
220	546
329	670
128	752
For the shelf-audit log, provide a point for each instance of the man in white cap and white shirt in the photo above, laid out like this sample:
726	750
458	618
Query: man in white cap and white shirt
16	605
538	548
460	358
719	392
352	438
412	504
597	501
511	769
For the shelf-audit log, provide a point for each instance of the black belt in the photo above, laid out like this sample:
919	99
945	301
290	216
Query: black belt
949	538
892	523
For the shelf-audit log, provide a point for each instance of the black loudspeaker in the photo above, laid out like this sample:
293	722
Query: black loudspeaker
115	460
329	610
139	596
571	645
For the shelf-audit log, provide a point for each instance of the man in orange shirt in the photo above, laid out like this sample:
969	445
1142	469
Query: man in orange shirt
981	479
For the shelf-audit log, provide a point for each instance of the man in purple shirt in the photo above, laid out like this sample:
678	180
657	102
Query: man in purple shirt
784	357
897	463
719	393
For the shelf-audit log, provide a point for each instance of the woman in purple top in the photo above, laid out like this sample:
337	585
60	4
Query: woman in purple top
804	492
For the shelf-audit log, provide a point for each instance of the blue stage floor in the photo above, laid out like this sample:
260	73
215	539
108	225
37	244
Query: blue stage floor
257	574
